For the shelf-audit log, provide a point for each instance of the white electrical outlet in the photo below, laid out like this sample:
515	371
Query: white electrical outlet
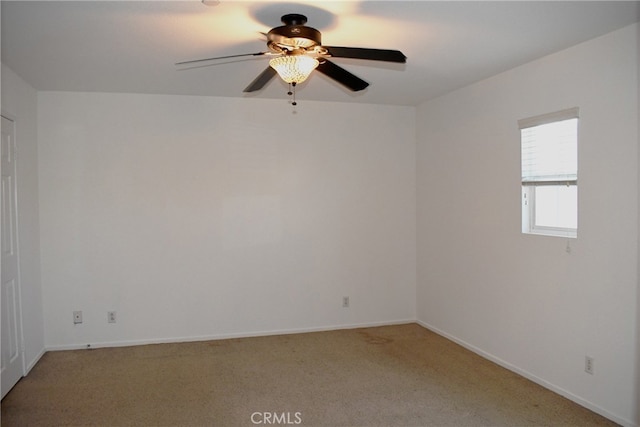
345	302
111	316
589	365
77	317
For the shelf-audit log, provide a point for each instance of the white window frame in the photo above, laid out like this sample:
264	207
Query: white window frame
529	185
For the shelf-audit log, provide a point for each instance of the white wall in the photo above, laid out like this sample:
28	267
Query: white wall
520	299
637	374
19	102
198	217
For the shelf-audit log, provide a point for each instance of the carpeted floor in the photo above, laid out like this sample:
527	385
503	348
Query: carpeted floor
400	375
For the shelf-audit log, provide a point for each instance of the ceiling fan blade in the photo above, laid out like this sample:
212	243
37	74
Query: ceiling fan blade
342	76
261	80
364	53
221	57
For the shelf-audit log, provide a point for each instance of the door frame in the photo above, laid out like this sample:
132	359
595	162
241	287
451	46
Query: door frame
22	356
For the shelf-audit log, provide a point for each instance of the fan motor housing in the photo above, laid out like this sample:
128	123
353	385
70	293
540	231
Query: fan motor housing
294	34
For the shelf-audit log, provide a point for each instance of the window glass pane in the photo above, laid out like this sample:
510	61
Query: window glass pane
556	206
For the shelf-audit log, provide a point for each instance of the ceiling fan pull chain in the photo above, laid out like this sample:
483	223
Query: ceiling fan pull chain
292	94
293	102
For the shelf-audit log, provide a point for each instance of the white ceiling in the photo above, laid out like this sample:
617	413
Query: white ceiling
131	46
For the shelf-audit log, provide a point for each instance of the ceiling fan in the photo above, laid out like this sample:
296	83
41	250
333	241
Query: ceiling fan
297	50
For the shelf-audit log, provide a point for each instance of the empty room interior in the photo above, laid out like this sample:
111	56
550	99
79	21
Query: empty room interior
163	183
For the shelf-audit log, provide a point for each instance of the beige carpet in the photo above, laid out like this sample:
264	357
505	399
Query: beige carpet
388	376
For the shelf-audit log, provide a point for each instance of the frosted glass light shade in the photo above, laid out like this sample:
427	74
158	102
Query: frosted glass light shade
294	68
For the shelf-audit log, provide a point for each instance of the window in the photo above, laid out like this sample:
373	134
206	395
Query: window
550	174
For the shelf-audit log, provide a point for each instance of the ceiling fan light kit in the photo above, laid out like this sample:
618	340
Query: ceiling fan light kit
299	51
294	68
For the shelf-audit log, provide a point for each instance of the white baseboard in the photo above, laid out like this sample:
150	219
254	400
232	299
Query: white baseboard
540	381
128	343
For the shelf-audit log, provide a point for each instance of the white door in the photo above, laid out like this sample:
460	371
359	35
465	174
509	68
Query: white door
12	365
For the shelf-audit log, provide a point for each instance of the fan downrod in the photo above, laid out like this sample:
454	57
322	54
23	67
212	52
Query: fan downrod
293	19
